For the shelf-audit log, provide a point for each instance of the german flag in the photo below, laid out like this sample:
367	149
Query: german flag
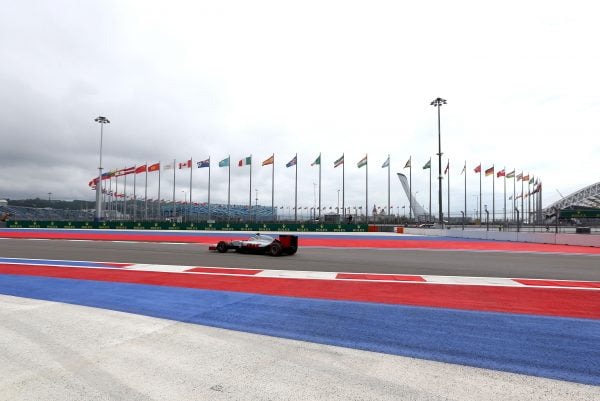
489	171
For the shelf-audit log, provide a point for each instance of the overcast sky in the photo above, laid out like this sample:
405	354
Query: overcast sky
199	78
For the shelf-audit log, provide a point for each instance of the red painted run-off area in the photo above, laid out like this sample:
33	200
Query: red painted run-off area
324	242
536	301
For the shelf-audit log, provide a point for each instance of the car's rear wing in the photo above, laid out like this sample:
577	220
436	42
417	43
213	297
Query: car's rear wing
288	241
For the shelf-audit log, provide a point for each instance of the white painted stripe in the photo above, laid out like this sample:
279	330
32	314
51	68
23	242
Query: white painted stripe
160	268
297	274
505	282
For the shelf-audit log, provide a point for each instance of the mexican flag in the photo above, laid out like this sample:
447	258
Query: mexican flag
338	162
246	161
427	165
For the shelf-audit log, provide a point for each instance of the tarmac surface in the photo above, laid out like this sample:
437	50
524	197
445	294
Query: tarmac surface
388	261
113	355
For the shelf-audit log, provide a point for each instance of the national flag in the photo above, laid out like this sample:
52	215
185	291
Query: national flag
338	162
489	171
154	167
525	177
501	173
169	166
478	169
246	161
363	162
203	163
531	180
510	197
511	174
141	169
386	163
464	170
427	165
520	176
292	162
224	163
270	160
125	171
317	161
407	165
187	164
447	168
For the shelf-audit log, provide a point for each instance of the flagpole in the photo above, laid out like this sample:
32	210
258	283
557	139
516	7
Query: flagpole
110	202
410	188
528	200
250	190
389	213
344	185
209	167
504	195
125	198
158	211
522	205
465	170
190	206
228	187
320	163
134	192
448	217
494	195
296	191
367	190
514	194
146	195
480	200
273	189
173	211
429	220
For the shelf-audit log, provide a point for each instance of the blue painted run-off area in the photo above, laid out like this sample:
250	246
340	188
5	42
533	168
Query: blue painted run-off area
552	347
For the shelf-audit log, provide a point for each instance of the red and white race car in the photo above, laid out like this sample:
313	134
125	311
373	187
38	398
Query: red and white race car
260	244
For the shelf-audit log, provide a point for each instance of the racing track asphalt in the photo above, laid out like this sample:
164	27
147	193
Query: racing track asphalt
394	261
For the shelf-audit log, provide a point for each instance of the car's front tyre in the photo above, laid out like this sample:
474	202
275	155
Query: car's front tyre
222	247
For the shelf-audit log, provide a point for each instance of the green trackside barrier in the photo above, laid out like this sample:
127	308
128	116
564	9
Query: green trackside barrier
139	225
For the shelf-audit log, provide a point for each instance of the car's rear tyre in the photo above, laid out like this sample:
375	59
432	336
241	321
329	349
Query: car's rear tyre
275	249
291	250
222	247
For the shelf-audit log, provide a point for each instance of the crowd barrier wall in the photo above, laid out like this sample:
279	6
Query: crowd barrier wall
130	225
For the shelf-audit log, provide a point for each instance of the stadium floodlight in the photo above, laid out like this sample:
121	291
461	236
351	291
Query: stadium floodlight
101	120
438	102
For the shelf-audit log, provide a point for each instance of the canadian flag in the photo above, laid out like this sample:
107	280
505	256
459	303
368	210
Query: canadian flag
187	164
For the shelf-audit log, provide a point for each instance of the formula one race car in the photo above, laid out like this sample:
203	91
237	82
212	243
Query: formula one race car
260	244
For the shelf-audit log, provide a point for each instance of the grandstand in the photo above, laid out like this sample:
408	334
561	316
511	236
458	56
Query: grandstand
218	212
586	198
45	214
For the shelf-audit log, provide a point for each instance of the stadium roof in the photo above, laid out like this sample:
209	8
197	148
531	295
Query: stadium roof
587	197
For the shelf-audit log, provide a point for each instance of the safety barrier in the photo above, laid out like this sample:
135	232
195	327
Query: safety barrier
130	225
540	238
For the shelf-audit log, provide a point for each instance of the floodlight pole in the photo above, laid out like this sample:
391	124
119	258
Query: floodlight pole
438	102
101	120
